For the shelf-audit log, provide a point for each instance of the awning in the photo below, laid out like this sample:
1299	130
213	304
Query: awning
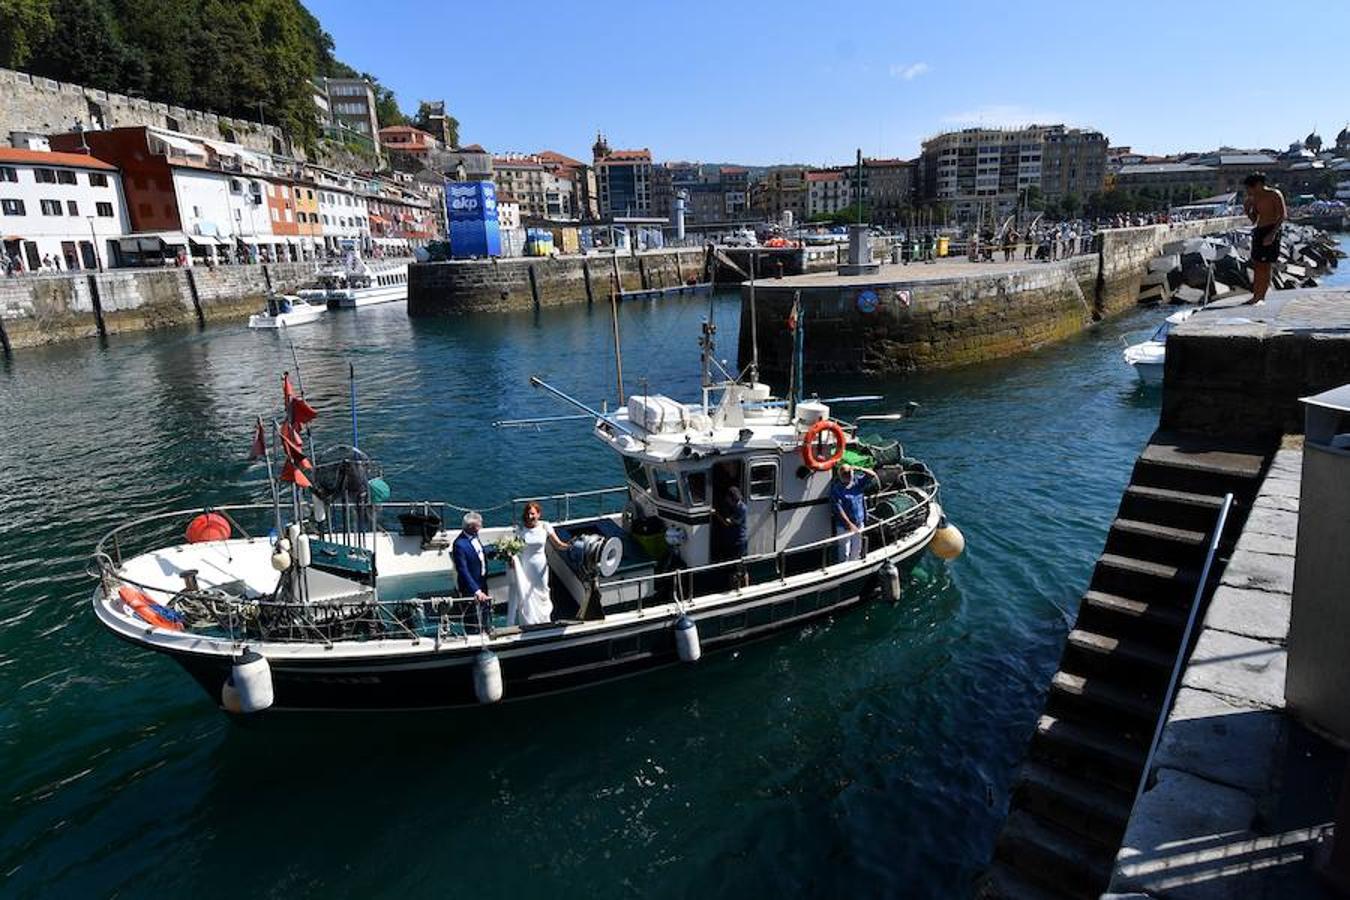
186	147
152	241
201	241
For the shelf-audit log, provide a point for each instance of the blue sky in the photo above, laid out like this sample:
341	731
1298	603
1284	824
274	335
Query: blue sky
809	82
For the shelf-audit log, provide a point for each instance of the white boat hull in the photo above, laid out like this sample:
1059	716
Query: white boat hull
352	299
301	315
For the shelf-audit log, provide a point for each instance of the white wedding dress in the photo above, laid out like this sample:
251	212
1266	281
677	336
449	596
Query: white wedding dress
528	601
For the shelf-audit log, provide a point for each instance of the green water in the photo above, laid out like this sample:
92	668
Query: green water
865	756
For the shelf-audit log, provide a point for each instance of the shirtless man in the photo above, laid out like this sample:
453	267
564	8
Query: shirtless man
1265	207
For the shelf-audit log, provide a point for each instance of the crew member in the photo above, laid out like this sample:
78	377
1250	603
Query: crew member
850	512
1265	207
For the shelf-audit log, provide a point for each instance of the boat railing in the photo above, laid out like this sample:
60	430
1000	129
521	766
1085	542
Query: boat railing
362	615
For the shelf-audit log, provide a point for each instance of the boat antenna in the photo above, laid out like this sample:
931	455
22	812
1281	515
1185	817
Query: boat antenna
351	374
536	381
614	320
754	323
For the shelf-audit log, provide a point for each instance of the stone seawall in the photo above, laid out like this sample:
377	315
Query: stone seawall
43	309
464	286
925	318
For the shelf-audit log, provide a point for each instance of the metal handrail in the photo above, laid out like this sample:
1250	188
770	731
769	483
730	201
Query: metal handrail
1183	653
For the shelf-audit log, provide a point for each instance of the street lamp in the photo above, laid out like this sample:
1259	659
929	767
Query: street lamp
93	241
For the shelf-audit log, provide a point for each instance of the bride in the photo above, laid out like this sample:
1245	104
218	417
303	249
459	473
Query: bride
529	602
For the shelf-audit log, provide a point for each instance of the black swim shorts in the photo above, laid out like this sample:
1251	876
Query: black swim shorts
1261	252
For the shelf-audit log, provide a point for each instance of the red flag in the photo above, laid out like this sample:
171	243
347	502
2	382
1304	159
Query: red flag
301	413
287	392
294	446
292	474
259	448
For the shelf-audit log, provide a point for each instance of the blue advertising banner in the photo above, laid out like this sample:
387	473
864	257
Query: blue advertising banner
471	211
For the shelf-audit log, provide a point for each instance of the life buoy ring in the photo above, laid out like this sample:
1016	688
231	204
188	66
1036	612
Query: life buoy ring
147	609
809	445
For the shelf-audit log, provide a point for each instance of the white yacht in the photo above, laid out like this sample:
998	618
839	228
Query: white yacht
286	311
360	283
1147	356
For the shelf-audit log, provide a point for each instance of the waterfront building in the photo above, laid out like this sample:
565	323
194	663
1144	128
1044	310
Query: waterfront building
351	102
888	190
827	192
408	142
343	217
580	181
1231	166
540	187
782	189
989	171
704	203
735	182
623	180
65	206
1171	182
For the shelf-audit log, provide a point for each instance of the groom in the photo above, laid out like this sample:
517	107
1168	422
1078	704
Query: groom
471	567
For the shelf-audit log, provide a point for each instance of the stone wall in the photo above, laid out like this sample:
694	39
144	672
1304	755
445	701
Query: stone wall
962	319
44	309
463	286
33	103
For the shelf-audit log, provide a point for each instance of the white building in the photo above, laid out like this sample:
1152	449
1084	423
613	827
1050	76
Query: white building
62	207
827	192
343	214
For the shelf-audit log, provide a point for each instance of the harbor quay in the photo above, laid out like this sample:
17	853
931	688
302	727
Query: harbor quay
904	318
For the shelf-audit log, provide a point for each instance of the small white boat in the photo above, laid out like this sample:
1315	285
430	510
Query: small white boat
1147	357
285	311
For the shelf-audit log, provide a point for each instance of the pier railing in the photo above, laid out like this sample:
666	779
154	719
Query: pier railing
362	615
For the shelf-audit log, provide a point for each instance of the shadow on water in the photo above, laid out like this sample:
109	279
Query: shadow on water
869	754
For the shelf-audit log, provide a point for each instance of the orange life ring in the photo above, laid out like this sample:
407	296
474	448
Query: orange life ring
809	445
144	607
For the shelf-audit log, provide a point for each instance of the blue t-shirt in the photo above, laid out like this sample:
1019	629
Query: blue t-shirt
847	499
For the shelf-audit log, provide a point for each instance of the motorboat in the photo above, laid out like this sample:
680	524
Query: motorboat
286	311
359	283
334	598
1147	356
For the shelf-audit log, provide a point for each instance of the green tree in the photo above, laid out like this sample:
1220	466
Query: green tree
1034	199
386	104
1070	204
25	25
85	46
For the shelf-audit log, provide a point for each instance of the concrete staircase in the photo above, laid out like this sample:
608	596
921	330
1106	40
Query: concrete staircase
1072	799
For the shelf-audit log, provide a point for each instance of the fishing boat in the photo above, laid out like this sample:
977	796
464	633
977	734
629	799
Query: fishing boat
334	598
286	311
358	283
1147	356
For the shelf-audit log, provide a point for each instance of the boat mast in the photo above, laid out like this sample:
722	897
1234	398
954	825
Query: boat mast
618	348
754	324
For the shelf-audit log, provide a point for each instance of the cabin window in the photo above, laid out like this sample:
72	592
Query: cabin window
696	486
667	486
636	473
763	480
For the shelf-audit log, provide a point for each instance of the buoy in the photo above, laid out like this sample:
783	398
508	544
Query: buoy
319	508
208	527
252	677
302	554
948	542
487	677
292	534
890	582
686	640
281	560
229	696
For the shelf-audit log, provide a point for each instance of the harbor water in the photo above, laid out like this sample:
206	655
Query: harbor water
869	755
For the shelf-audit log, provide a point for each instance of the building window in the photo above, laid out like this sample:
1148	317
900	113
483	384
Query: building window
8	173
98	179
104	210
12	207
65	177
45	176
51	207
72	208
275	216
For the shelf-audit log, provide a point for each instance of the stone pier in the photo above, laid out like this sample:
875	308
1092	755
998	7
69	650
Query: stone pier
952	312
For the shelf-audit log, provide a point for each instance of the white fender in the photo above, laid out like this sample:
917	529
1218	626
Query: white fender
302	552
890	582
686	640
252	676
487	677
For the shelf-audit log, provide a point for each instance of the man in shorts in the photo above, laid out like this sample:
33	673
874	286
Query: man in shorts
1265	207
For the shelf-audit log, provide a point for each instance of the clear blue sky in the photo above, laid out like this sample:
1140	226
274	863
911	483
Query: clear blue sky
807	82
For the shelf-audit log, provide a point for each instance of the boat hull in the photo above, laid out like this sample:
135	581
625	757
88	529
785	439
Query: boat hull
368	297
286	320
420	680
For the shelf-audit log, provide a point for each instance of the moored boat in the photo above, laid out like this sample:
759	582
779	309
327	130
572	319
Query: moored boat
360	283
338	599
285	311
1147	357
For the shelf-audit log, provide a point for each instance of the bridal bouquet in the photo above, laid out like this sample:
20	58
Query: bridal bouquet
509	547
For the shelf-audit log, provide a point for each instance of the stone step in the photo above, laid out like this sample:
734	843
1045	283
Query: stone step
1053	855
1168	506
1090	751
1002	882
1078	804
1100	697
1127	576
1130	617
1155	541
1120	649
1202	455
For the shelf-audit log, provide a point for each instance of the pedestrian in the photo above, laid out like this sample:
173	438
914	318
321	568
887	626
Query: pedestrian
1265	208
1029	246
